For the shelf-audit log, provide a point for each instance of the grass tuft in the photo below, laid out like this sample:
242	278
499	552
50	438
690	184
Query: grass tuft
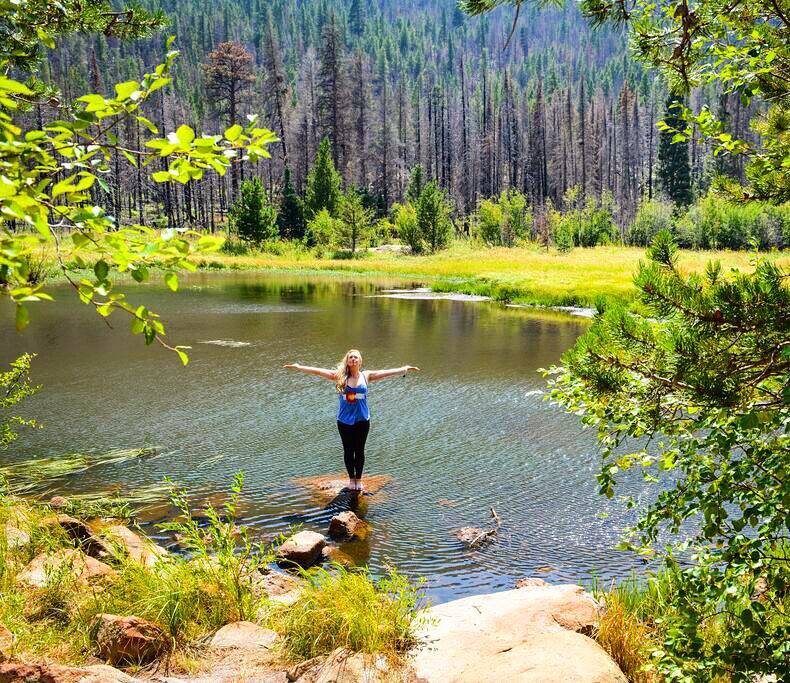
347	608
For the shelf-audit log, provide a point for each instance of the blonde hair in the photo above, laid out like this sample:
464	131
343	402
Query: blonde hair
342	372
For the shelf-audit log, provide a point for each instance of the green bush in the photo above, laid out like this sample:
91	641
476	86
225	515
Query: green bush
717	223
652	216
588	226
404	217
323	230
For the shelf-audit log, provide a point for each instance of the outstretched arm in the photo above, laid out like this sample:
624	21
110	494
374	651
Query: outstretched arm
318	372
374	375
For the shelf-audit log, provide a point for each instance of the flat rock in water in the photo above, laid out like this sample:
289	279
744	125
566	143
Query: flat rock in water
517	635
82	567
303	549
243	635
325	487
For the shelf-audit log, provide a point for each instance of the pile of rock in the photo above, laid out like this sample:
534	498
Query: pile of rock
307	548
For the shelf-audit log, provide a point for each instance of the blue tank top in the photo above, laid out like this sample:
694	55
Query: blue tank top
353	403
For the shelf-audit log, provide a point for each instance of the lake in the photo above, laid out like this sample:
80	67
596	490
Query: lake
470	432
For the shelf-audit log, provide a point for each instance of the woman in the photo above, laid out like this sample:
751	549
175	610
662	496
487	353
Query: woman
353	415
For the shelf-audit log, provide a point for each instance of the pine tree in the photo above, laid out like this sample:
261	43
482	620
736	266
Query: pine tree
323	183
290	220
433	216
250	217
674	171
355	220
416	182
356	19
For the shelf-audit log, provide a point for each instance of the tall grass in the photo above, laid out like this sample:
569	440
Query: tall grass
346	608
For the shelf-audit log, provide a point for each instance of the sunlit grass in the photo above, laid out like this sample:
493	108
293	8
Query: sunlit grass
345	608
527	274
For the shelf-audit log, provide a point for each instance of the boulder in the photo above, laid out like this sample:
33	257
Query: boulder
139	549
517	635
303	549
346	525
54	673
79	532
6	644
343	666
81	567
473	536
58	502
128	640
243	635
15	538
274	583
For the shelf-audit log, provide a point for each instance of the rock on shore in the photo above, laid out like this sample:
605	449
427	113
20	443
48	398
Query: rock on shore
527	635
303	549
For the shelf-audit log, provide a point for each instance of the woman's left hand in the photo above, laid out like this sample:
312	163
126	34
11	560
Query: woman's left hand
412	367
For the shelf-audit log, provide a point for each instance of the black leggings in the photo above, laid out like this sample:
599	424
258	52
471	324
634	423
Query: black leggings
354	437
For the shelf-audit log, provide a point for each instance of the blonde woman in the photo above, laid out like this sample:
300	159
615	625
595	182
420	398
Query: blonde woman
353	414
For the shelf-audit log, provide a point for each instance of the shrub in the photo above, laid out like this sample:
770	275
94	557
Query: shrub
651	217
405	220
489	222
323	231
717	223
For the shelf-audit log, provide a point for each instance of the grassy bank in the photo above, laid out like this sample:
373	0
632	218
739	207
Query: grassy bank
525	275
216	580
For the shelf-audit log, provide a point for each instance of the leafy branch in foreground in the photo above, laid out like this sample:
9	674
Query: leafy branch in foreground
14	387
701	383
46	178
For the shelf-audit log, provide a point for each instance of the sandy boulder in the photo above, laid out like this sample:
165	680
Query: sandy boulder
80	566
343	666
517	635
303	549
15	537
140	549
243	635
54	673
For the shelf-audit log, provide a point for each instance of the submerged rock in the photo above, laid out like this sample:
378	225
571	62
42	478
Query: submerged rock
81	567
243	635
57	502
530	581
128	640
346	525
303	549
527	634
473	536
331	553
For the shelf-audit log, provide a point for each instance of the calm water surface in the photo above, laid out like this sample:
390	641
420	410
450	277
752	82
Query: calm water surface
471	430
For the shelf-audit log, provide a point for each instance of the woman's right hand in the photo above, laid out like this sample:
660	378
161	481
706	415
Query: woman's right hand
292	366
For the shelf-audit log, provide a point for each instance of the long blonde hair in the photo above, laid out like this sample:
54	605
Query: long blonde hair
342	372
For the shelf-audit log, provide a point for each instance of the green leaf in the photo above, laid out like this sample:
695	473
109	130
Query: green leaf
184	358
171	280
101	270
233	133
185	134
127	89
22	317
